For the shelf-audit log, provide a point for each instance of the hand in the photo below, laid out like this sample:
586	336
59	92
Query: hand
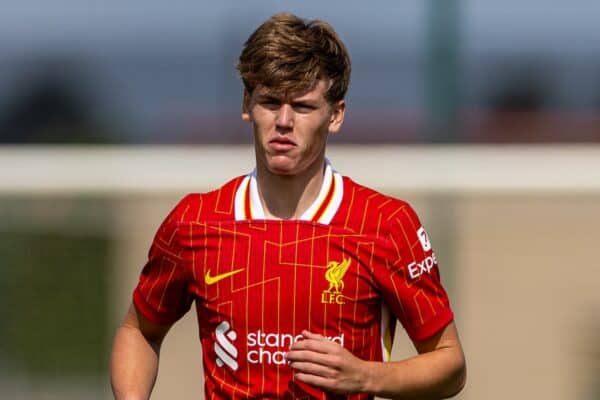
320	362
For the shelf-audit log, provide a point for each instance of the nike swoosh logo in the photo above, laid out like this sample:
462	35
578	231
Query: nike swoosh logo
209	280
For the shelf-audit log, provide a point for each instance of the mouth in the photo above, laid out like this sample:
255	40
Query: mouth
281	144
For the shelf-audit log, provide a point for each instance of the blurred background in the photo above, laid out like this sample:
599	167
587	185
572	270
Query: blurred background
487	113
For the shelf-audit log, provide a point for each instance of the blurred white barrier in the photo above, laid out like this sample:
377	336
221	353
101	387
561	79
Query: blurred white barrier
156	169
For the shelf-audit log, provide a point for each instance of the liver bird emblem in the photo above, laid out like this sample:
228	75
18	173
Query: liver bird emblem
335	273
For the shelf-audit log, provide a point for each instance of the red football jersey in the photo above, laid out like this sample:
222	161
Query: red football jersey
351	265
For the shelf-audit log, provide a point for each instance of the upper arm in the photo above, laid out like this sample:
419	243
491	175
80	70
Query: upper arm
409	279
152	332
445	338
163	294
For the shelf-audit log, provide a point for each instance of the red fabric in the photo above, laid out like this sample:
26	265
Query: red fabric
258	284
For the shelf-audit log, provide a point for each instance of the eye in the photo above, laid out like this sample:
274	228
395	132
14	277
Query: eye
303	108
270	103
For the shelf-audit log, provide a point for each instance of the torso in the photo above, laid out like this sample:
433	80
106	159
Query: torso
258	283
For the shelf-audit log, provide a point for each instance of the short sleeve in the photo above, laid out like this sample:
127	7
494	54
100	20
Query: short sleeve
410	281
162	294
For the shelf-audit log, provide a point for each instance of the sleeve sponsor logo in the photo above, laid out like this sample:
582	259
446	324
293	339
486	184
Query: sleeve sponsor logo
416	269
424	239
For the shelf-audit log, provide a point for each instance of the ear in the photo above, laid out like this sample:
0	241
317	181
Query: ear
246	107
337	116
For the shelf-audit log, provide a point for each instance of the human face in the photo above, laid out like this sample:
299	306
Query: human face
290	132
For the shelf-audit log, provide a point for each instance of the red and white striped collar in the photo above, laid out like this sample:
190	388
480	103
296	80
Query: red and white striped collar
322	210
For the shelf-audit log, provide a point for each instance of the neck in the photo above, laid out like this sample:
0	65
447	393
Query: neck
289	196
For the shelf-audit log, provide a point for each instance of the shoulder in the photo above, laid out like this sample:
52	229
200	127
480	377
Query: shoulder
368	211
213	205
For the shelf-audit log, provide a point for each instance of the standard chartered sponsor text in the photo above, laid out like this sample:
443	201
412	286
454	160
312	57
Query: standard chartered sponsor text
270	348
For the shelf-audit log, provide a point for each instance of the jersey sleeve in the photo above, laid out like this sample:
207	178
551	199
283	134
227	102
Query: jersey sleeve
162	294
410	281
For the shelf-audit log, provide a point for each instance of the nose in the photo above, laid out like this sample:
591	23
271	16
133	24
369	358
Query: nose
285	116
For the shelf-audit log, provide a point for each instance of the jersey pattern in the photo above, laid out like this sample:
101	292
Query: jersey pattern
347	270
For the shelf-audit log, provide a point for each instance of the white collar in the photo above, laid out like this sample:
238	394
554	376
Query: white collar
322	210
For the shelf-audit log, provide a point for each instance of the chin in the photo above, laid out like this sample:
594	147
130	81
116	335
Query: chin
283	166
282	171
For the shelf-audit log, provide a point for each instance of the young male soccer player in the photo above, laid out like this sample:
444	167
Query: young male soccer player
297	272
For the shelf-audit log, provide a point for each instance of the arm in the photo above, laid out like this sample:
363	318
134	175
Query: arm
437	372
134	360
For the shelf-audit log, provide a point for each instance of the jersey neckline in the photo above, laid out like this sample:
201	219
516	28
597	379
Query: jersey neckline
249	207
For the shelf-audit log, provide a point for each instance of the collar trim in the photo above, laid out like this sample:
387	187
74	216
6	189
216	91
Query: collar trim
248	205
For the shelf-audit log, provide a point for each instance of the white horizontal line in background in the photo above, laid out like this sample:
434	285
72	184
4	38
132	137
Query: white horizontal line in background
116	170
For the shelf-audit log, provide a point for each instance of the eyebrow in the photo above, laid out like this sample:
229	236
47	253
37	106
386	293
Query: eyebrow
305	102
283	99
270	97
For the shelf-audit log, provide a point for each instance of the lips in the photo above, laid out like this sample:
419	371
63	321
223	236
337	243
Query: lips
281	144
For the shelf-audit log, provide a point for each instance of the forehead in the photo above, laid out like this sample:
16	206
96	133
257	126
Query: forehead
316	91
